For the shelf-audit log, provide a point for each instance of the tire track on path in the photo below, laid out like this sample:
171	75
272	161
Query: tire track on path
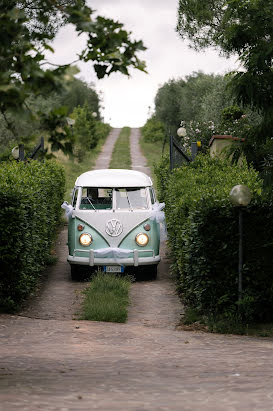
152	303
59	298
105	156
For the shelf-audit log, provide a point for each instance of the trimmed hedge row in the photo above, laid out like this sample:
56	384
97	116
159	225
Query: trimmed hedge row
30	199
203	238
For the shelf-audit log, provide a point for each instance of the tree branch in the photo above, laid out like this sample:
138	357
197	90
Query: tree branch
9	125
59	65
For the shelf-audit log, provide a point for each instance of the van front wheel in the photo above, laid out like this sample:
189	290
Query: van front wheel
76	273
152	272
147	272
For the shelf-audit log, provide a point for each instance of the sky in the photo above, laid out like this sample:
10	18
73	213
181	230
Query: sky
130	101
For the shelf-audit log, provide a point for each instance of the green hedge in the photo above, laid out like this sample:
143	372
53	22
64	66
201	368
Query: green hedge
203	238
30	198
153	131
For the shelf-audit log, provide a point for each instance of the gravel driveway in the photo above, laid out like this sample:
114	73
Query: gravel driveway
52	362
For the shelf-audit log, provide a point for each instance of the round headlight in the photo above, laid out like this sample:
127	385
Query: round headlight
85	239
142	239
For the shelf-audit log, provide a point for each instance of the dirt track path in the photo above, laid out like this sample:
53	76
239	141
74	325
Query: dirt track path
50	362
59	298
153	304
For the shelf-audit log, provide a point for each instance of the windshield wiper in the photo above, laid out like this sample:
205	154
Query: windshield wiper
91	203
129	202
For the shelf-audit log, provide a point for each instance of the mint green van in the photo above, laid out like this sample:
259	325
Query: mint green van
114	223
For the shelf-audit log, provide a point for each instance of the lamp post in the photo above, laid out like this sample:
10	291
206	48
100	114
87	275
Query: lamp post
240	196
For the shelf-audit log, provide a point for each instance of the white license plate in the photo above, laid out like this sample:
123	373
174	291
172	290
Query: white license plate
113	269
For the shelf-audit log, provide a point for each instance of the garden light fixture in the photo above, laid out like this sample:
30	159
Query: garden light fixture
240	196
181	132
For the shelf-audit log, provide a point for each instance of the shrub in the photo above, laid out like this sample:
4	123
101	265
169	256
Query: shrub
153	131
87	131
203	237
30	199
162	171
84	128
102	130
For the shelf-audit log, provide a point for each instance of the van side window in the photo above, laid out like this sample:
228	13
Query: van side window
75	196
152	194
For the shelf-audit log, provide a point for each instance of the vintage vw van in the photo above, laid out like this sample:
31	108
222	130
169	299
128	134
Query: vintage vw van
114	223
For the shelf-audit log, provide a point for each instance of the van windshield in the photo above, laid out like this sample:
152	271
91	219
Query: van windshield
94	198
132	198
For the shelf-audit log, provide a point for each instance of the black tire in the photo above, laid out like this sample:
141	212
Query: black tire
152	269
147	272
81	272
76	274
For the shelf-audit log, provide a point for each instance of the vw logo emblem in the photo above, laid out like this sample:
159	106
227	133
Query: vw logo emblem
113	228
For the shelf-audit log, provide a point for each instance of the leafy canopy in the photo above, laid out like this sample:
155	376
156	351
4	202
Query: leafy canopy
27	29
240	27
182	100
243	28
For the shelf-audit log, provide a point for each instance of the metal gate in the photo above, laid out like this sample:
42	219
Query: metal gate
177	156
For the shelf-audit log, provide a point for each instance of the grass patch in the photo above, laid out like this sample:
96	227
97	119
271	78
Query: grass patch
121	157
153	153
106	298
193	321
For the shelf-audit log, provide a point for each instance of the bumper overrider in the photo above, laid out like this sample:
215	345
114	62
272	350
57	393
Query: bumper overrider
113	256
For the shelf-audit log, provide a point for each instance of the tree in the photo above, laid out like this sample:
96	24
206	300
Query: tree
167	104
182	100
243	28
214	101
79	93
27	29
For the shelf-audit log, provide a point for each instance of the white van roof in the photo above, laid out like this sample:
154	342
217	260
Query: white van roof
113	178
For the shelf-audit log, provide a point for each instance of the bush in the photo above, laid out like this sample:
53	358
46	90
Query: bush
102	130
84	128
203	237
87	131
30	199
162	171
153	131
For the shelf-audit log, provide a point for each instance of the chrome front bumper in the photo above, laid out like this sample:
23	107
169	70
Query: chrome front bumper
91	260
